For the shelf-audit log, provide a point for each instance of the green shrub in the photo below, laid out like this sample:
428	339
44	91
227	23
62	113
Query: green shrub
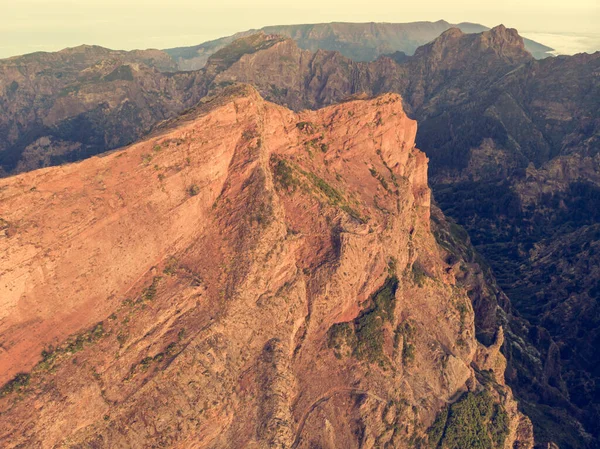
149	293
365	335
284	174
475	421
193	190
16	384
499	426
307	127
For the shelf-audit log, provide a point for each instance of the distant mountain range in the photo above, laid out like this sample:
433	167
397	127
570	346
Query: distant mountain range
357	41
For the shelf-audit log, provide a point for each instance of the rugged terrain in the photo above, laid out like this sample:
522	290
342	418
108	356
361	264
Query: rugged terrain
514	145
513	148
357	41
69	105
244	277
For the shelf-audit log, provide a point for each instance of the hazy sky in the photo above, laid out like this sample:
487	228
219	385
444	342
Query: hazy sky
33	25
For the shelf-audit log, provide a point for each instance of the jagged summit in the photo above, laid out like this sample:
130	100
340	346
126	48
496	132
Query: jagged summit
502	41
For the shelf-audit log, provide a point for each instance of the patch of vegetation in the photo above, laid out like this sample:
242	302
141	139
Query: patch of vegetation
498	426
307	127
149	293
380	178
249	134
462	309
365	335
51	357
330	192
15	385
171	266
284	174
12	88
475	421
392	266
193	190
341	334
436	431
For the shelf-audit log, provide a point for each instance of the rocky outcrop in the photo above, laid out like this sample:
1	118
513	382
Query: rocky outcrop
244	277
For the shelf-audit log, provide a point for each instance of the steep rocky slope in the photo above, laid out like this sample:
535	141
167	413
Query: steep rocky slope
357	41
513	146
244	277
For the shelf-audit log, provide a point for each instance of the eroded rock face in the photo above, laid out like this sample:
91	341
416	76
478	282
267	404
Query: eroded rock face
513	145
262	278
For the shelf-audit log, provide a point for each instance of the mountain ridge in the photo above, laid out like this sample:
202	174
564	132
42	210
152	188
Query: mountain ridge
236	318
362	42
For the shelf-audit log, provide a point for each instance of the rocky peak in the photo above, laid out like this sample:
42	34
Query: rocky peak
506	42
447	39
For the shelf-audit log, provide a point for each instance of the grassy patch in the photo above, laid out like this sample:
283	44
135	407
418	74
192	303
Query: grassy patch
407	332
380	178
16	385
284	175
475	421
149	293
171	266
287	176
306	127
418	273
365	335
52	357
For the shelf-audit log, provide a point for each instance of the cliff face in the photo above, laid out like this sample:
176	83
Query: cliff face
246	277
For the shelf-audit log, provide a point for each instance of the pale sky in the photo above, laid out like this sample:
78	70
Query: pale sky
32	25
